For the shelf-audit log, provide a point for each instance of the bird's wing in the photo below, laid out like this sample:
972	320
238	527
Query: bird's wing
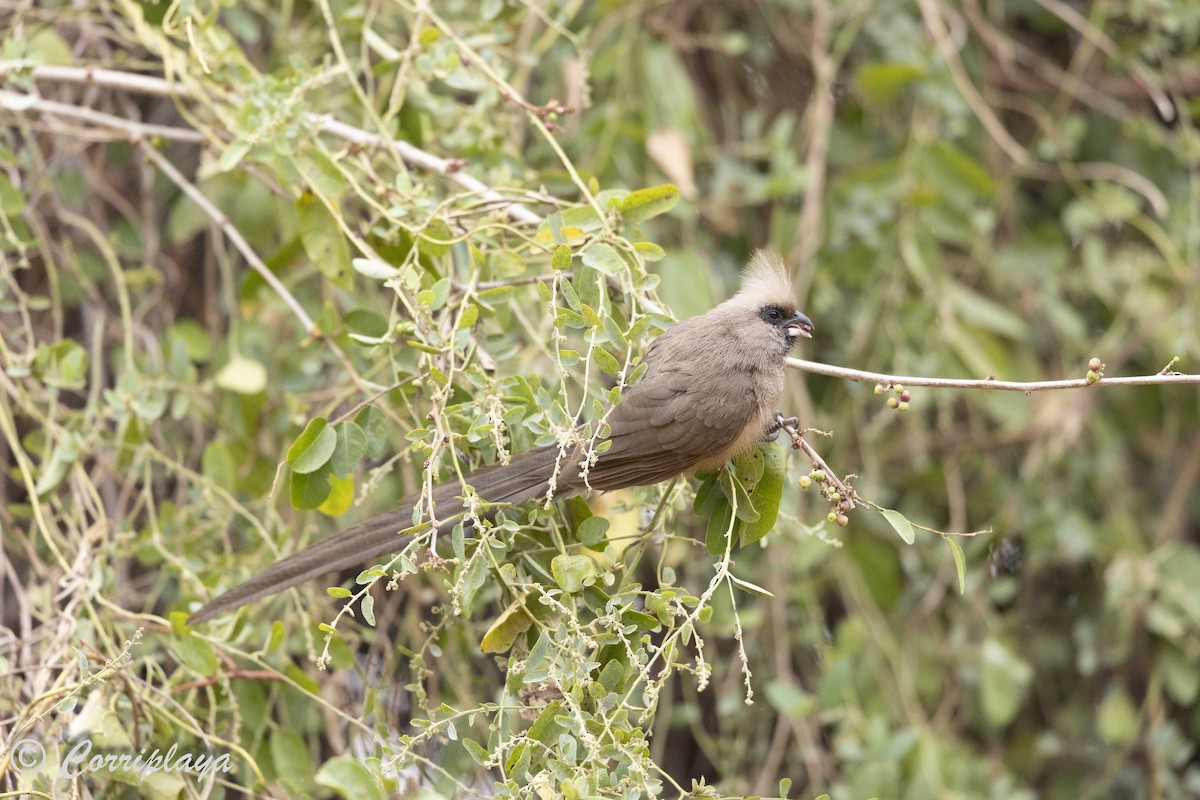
680	415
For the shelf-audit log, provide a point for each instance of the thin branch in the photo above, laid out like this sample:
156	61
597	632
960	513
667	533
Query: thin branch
1028	387
18	102
450	168
234	235
987	117
800	443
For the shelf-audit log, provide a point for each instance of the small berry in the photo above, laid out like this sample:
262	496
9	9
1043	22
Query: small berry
842	520
903	407
832	517
817	475
1093	376
879	388
844	506
905	396
805	482
893	402
1095	365
835	497
897	388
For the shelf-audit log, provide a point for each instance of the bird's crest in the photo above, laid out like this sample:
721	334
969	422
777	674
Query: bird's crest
766	280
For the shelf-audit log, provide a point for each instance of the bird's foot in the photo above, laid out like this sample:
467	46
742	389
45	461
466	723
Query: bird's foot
781	422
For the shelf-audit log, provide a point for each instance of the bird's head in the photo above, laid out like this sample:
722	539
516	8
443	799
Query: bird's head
767	291
790	322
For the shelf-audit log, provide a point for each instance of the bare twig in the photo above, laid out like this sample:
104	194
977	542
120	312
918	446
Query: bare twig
800	443
129	129
986	116
450	168
234	235
1028	387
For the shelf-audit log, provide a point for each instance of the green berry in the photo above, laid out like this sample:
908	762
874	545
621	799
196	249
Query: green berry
817	475
805	482
835	497
893	402
1093	376
903	407
832	516
879	388
897	388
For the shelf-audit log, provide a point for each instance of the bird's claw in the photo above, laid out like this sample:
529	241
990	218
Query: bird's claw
781	422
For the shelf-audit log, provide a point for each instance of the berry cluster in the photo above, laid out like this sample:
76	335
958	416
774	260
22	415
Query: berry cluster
1095	370
841	505
900	397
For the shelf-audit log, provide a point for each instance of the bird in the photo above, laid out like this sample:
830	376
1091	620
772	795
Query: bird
710	392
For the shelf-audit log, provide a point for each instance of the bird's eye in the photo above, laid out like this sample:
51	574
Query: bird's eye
773	313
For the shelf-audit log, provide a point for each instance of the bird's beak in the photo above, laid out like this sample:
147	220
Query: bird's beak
799	325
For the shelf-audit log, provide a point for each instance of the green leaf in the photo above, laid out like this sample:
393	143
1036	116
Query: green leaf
313	447
606	361
1004	681
476	751
54	470
511	623
219	466
901	524
195	653
650	251
434	241
309	490
243	376
1117	719
768	492
719	519
233	155
350	778
646	203
337	592
960	563
351	445
604	259
592	531
883	82
570	572
341	496
470	315
372	268
562	258
368	609
290	756
747	586
63	364
322	238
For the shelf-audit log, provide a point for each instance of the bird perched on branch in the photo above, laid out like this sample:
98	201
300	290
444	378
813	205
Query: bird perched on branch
709	394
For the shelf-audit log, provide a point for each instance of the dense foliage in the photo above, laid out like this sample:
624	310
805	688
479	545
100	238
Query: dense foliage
236	315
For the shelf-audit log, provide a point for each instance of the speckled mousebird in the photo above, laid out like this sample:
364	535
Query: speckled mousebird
709	393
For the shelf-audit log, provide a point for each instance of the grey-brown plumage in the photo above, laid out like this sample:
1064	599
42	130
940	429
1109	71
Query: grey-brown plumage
710	392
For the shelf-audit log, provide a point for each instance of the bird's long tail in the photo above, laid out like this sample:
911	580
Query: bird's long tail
526	477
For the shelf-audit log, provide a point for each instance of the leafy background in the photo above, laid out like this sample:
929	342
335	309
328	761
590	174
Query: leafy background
966	189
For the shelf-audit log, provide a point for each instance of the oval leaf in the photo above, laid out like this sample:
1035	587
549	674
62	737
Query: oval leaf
901	524
960	563
646	203
309	490
312	448
505	630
